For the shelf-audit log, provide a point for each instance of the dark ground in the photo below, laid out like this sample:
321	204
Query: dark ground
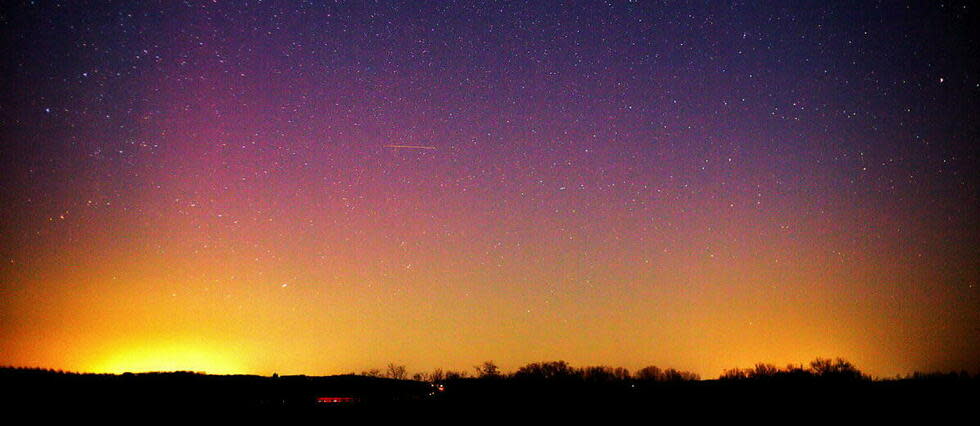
42	394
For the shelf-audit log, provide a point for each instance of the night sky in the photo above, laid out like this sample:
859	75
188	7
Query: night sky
323	188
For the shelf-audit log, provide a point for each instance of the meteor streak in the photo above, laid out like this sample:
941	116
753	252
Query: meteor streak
410	146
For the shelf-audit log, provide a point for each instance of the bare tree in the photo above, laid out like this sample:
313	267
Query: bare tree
598	374
621	373
734	374
763	370
655	374
437	375
650	373
840	369
455	375
487	370
396	371
547	371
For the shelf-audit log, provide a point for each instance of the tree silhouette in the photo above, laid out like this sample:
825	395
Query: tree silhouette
653	373
374	372
838	369
674	375
546	371
821	368
734	374
396	371
599	374
455	375
650	373
487	370
763	370
621	374
437	375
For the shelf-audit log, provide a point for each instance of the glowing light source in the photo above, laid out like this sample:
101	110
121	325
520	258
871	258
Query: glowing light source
168	357
336	399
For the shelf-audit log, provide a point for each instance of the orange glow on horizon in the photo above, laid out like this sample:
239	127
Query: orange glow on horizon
189	190
165	357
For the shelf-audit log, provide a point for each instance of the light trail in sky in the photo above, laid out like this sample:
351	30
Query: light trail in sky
410	146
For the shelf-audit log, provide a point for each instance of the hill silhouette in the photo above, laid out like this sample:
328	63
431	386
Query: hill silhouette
824	388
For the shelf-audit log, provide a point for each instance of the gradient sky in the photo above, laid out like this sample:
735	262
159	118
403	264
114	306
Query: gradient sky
211	186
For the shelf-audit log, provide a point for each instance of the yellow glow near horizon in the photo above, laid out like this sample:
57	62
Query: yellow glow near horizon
168	357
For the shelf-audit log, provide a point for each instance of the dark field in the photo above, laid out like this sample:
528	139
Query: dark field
48	394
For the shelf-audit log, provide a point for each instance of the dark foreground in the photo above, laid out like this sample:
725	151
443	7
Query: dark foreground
317	400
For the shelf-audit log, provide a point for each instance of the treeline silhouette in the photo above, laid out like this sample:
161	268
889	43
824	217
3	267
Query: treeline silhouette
821	368
546	387
540	371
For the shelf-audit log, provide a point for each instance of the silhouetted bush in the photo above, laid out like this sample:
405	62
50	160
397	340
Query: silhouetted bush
820	369
556	370
734	374
653	373
838	369
456	375
487	370
598	375
763	371
650	373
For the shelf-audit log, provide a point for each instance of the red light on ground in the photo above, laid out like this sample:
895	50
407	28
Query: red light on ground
335	399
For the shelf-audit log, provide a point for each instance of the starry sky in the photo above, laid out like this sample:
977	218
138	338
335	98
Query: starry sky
326	187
